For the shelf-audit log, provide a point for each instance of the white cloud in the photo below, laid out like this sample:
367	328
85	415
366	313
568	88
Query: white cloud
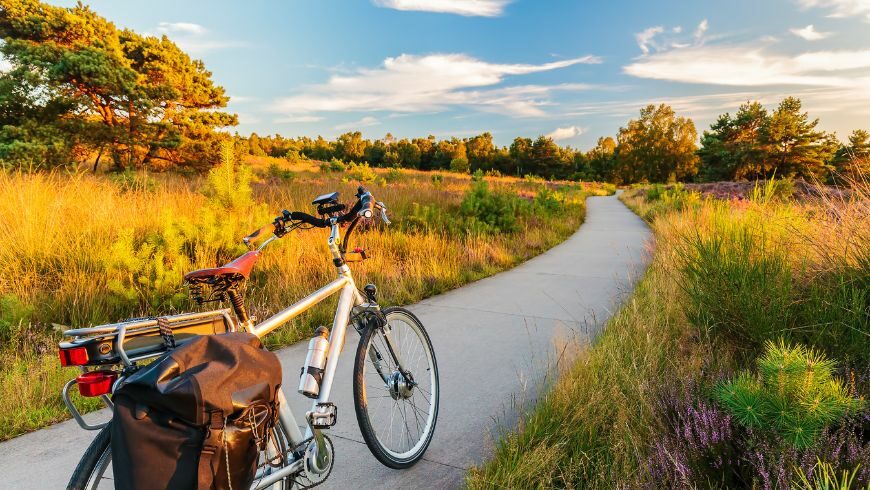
194	38
411	83
829	81
657	38
750	66
566	133
298	119
841	8
645	37
468	8
181	27
362	123
809	33
700	31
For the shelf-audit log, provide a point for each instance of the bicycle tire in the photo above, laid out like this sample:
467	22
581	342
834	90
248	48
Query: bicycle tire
360	397
83	476
94	454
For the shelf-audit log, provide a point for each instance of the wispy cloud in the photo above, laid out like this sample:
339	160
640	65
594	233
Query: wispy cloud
658	38
195	38
412	83
830	80
566	133
840	8
645	37
362	123
468	8
298	119
809	33
181	27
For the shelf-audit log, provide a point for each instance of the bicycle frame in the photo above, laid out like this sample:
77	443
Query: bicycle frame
349	299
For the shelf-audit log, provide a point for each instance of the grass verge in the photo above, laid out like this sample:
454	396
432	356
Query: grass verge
639	409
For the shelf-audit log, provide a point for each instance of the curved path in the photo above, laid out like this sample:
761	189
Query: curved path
495	339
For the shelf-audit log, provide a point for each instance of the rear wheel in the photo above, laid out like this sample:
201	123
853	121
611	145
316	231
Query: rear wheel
94	470
395	389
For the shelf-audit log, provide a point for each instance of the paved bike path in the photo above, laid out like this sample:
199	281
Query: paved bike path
494	339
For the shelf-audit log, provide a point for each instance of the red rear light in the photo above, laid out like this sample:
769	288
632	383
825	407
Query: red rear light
77	356
96	383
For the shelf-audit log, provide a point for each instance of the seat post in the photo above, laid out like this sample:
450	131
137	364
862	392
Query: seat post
238	303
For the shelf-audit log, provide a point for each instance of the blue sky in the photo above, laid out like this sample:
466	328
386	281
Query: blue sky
575	70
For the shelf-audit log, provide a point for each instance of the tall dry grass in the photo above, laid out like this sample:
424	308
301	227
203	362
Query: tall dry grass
80	250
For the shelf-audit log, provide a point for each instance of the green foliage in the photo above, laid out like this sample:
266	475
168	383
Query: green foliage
657	147
460	165
825	477
794	395
477	176
755	144
437	180
13	314
393	175
361	172
229	183
493	212
278	172
77	84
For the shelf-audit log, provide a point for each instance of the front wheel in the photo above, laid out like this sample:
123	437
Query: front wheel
395	389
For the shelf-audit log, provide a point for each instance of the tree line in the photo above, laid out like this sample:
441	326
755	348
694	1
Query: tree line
658	146
78	89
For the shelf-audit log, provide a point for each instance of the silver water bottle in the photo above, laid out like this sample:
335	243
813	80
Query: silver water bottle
312	371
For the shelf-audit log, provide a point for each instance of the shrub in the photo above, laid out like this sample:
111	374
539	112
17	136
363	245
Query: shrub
477	176
229	183
548	200
284	174
492	173
794	396
437	180
460	165
487	211
393	175
361	172
334	165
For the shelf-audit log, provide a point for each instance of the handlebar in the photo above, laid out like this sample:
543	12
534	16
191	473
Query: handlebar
363	208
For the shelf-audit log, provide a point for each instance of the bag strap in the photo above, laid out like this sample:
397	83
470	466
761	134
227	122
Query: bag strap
209	458
166	332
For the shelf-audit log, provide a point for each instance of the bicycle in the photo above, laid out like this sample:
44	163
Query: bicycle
395	371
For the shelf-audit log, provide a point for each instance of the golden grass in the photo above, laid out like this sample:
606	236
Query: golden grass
80	250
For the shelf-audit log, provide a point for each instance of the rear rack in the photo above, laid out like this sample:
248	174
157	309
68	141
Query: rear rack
133	340
139	338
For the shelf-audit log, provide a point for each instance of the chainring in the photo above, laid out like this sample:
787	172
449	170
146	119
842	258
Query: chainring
304	481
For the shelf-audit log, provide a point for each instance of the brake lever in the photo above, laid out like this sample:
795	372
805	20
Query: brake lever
383	213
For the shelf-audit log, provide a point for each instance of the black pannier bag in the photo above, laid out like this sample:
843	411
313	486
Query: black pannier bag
197	417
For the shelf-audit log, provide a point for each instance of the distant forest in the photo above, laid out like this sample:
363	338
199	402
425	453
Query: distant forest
658	146
80	91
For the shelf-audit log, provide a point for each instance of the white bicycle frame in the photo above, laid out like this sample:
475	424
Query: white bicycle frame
349	298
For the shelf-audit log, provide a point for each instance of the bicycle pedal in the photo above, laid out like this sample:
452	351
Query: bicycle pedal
324	416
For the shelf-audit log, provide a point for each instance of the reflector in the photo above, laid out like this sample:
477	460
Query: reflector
77	356
96	383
